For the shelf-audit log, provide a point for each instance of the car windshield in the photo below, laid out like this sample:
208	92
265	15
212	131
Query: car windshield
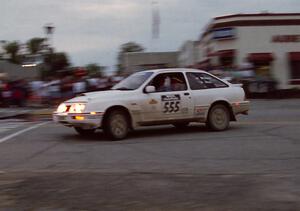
132	82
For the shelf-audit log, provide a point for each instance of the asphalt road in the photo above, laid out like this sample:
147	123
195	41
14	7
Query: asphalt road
255	165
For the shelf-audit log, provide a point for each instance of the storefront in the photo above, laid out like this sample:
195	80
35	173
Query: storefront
261	63
270	42
294	58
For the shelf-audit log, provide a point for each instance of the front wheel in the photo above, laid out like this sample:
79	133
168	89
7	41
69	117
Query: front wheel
84	132
218	118
116	126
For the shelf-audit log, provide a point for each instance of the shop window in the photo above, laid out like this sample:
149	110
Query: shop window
226	61
295	69
226	58
262	70
295	64
261	63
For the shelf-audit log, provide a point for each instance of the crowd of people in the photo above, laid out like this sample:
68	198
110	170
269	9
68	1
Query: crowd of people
51	91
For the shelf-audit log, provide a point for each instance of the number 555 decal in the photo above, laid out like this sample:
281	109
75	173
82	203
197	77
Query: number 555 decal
170	103
171	107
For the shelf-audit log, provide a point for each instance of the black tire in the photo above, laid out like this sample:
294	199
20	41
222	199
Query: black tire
181	125
84	132
116	125
218	118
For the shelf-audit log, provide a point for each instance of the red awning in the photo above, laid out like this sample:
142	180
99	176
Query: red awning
80	72
294	56
260	57
212	54
295	82
223	53
226	53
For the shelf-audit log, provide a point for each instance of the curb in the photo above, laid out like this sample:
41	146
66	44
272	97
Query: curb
19	115
40	114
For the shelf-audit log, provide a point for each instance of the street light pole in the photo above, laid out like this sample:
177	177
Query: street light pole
49	30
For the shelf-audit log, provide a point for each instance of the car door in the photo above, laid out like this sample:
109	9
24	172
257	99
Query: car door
204	89
170	101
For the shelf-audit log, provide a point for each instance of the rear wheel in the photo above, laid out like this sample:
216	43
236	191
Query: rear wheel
218	117
84	132
116	125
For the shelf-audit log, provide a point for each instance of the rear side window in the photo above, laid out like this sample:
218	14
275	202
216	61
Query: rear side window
204	81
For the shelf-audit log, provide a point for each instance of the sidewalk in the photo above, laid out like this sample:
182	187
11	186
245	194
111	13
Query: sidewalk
6	113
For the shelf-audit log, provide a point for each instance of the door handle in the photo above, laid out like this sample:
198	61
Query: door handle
186	93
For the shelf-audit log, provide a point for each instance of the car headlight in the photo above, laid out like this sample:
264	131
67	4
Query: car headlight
61	108
77	108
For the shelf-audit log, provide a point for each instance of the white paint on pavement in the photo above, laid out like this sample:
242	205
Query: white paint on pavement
4	126
22	131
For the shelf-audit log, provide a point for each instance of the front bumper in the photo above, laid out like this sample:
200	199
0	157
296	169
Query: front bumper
241	107
83	120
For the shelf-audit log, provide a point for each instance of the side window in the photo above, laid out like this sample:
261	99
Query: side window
167	82
212	82
196	81
203	81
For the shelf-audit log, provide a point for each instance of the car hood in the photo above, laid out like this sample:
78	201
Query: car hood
89	96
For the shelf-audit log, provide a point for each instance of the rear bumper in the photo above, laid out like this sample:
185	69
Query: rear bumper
241	107
85	120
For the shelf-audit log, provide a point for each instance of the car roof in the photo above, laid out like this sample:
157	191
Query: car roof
175	70
182	70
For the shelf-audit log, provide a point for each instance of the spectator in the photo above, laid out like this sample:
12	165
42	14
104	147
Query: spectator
92	84
45	93
6	94
67	87
54	91
79	87
36	87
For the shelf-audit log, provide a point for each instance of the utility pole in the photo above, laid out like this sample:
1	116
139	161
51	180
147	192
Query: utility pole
155	20
49	30
155	24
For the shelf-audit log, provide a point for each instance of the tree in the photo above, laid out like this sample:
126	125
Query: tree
35	45
12	48
56	61
131	47
95	70
2	44
127	48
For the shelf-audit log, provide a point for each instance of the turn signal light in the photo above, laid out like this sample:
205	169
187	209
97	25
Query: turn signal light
79	117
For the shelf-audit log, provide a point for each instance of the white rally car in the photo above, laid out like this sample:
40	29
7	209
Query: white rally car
166	96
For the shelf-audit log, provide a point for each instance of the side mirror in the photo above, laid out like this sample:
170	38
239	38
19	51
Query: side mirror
150	89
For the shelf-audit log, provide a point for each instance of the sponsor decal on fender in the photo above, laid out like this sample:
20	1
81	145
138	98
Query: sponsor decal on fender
200	110
152	102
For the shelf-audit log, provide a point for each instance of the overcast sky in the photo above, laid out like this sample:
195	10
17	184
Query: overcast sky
91	31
